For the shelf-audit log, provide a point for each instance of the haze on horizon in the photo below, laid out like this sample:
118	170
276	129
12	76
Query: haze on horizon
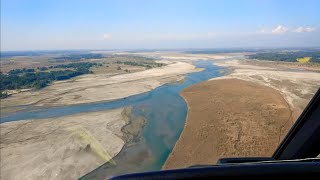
125	24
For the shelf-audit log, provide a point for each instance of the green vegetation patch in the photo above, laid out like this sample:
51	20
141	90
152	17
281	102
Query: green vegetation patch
287	56
41	77
148	65
77	57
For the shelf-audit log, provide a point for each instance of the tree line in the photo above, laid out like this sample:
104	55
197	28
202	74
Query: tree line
148	65
76	57
40	78
287	56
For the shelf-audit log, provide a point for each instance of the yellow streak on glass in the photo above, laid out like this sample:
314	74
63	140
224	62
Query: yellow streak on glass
96	147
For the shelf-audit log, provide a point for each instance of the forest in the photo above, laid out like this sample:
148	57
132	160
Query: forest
41	77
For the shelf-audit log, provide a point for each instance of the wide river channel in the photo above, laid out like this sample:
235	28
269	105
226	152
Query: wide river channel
163	108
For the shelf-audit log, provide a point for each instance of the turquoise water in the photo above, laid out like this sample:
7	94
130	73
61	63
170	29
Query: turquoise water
163	108
168	112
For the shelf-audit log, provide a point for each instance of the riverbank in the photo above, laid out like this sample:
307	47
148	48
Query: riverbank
99	87
66	147
223	112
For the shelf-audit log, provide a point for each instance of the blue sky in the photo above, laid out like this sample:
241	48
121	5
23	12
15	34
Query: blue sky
131	24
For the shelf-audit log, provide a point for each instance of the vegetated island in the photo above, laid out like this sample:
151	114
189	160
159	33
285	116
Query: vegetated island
229	118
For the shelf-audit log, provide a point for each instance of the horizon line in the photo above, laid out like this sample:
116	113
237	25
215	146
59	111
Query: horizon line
163	49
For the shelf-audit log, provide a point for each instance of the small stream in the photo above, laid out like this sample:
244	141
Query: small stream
163	108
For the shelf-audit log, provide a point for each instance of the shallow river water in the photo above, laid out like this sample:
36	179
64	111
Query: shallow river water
163	108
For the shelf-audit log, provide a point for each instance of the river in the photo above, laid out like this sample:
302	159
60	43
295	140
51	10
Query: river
163	108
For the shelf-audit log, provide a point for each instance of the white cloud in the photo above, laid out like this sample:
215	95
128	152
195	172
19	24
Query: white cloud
261	31
279	30
304	29
106	36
